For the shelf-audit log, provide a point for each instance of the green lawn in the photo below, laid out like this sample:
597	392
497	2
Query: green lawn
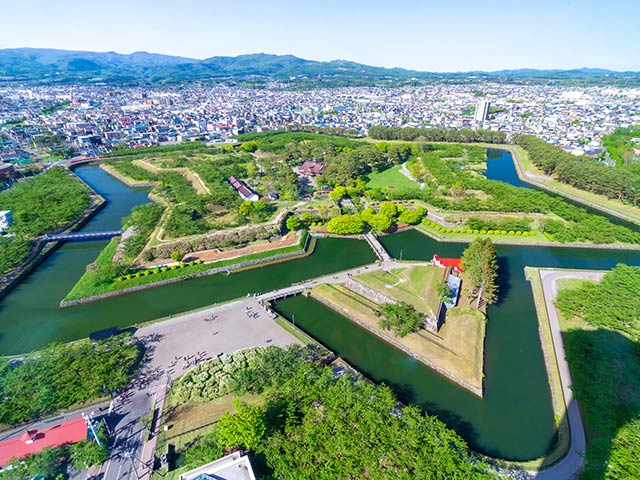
391	179
416	286
458	348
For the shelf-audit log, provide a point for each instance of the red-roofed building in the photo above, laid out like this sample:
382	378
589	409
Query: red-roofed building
32	441
454	263
311	167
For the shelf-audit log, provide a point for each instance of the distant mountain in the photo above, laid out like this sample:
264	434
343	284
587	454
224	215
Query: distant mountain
49	66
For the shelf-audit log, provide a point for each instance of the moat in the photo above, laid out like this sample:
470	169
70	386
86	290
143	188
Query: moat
514	420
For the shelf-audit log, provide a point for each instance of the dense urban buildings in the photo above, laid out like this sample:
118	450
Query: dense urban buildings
64	121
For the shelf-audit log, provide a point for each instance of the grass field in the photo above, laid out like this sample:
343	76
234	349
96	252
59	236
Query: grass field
416	286
391	179
458	348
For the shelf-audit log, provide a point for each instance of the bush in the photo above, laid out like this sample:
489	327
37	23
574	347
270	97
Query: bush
525	234
519	233
511	232
503	232
490	232
469	230
483	232
476	232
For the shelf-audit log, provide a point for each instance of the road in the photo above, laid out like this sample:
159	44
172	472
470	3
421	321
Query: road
571	465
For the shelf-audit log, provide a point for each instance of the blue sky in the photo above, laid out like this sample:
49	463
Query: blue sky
443	35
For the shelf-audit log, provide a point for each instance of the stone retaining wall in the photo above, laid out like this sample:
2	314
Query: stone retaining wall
213	271
475	390
367	292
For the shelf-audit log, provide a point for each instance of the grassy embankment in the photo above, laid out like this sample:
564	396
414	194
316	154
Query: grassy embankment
93	282
459	345
533	175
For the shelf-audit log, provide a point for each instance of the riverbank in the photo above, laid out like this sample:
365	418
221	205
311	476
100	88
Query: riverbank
456	352
41	250
526	173
444	237
129	182
88	289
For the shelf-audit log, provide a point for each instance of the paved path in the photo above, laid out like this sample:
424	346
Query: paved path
175	346
571	465
405	171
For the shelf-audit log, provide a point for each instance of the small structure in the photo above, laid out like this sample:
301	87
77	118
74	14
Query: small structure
232	467
6	217
243	189
7	172
311	167
33	441
454	263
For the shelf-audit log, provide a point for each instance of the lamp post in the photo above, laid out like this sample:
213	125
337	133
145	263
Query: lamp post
89	420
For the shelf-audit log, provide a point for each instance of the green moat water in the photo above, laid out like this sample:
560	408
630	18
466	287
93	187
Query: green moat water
514	419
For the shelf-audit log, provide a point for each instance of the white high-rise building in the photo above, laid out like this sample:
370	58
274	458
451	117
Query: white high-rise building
482	110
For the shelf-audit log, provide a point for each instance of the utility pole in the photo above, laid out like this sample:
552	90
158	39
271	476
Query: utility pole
89	420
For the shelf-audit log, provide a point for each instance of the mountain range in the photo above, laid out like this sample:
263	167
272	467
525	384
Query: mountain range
50	66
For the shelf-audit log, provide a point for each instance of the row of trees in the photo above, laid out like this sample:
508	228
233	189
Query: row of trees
443	175
464	135
62	375
334	426
622	183
614	302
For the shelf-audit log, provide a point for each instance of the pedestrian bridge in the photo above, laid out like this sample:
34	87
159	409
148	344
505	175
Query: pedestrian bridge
80	236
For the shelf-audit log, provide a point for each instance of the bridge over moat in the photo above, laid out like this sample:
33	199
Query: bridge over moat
81	236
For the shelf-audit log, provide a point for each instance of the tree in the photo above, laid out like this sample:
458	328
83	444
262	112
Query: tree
246	208
294	223
480	263
401	318
346	225
378	222
177	256
412	217
338	193
87	453
244	429
389	209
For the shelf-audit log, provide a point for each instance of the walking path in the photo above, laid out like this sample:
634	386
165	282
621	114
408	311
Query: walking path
405	171
571	465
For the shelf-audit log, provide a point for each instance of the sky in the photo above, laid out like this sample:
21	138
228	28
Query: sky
427	35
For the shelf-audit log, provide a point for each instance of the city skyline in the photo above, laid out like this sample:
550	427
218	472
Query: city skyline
420	36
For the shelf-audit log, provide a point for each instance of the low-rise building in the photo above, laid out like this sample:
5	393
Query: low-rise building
232	467
244	190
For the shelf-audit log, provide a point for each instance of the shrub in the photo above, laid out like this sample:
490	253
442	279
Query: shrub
164	269
511	232
476	232
456	230
199	261
483	232
469	230
490	232
148	272
525	234
503	232
518	233
174	267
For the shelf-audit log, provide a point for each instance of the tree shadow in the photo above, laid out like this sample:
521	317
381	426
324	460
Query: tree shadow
504	280
605	368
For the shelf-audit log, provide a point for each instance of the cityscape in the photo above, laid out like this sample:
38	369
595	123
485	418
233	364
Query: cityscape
334	241
90	121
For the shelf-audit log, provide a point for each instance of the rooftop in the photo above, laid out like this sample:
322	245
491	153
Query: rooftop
232	467
33	441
